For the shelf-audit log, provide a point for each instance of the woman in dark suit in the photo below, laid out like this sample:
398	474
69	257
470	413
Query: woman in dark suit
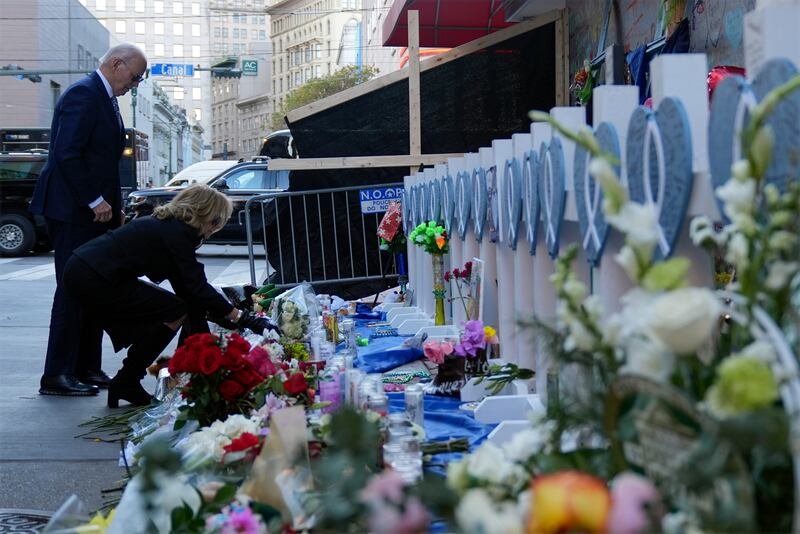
103	275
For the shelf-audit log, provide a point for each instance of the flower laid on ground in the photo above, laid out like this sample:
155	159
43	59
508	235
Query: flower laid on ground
568	501
222	377
214	441
437	351
478	513
473	340
235	519
391	509
431	237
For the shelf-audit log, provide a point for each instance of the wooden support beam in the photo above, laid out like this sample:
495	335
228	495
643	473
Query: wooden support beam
359	162
562	59
414	121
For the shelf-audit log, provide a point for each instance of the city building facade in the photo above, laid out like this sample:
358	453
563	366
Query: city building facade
169	32
384	58
241	106
41	34
311	38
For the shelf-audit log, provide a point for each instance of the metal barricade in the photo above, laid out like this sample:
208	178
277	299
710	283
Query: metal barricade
318	236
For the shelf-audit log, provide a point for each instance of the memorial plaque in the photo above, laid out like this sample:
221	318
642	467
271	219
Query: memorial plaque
659	164
480	201
513	199
463	202
532	206
589	194
552	193
448	203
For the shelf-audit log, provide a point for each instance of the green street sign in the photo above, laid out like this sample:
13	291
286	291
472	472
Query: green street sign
250	67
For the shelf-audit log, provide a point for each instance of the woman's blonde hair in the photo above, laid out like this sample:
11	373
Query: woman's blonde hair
196	205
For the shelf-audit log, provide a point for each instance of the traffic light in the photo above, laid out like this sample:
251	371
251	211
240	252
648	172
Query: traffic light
35	78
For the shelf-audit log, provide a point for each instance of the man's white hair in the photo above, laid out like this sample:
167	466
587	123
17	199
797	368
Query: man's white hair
124	51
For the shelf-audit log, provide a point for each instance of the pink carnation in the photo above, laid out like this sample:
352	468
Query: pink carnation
436	351
631	496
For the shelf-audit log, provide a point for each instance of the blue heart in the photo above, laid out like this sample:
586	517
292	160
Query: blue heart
512	176
530	183
552	194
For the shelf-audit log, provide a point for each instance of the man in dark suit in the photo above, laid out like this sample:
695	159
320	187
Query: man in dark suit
79	195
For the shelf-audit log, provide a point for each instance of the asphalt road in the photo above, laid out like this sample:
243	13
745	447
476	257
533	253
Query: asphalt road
41	461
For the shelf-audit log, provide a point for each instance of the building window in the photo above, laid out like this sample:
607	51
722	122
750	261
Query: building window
318	51
100	5
318	70
177	50
120	5
217	48
158	6
196	11
197	93
253	34
177	8
158	28
195	30
178	93
142	47
177	28
198	114
195	50
80	57
158	50
262	35
224	32
120	26
139	25
217	31
236	33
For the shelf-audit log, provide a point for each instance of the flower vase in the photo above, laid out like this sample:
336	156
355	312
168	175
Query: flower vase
449	377
438	287
477	365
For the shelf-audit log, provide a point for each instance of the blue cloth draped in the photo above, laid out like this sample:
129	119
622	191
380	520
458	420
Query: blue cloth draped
382	354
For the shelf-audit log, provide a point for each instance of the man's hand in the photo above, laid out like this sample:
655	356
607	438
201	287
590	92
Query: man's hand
102	212
121	217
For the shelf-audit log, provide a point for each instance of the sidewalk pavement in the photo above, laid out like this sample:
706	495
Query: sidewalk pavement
41	461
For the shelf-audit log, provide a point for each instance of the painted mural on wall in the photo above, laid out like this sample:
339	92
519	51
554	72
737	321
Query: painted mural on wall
716	28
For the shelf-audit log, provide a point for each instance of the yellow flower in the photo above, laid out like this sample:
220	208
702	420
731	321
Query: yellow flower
98	523
489	332
569	501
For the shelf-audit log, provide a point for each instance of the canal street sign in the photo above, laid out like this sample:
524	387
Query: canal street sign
172	69
249	67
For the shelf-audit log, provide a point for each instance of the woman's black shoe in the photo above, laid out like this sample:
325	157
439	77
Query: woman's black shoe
135	394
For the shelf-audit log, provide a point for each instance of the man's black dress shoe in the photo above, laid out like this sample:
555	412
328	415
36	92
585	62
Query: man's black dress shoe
66	385
97	378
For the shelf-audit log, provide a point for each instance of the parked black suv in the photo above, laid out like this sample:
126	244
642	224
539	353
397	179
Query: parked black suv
240	183
20	230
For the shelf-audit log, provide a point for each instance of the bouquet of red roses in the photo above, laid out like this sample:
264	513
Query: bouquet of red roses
222	378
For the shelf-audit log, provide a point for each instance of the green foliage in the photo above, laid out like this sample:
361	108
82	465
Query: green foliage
322	87
499	376
431	237
349	462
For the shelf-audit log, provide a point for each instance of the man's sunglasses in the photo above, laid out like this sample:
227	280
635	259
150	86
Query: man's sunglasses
135	78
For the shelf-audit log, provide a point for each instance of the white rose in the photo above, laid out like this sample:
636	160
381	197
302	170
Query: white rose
638	222
526	443
634	317
626	258
684	319
238	424
649	359
478	514
741	170
738	251
458	476
737	195
780	274
483	463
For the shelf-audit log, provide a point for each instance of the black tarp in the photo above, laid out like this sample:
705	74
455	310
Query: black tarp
465	104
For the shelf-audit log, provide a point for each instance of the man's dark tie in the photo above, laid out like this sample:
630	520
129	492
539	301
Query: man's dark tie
116	110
